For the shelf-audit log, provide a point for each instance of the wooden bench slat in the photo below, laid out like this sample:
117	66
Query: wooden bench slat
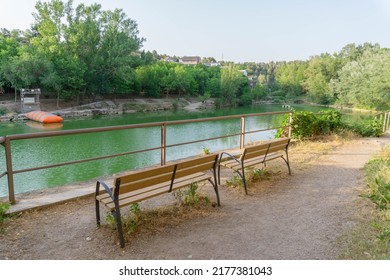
165	186
131	198
139	175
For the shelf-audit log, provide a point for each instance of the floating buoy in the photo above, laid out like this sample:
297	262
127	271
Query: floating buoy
43	117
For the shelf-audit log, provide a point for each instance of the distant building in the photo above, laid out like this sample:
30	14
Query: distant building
244	72
211	64
190	60
169	59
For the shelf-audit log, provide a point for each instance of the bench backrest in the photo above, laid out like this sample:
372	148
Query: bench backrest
192	166
144	178
265	148
164	174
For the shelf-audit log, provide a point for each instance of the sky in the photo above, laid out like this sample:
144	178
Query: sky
240	30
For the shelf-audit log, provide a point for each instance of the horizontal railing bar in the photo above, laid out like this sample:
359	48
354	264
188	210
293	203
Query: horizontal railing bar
132	126
3	174
201	140
82	160
265	129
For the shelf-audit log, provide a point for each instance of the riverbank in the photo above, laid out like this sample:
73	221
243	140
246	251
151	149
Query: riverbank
13	111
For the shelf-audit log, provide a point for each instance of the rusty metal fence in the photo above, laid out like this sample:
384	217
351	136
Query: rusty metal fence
6	142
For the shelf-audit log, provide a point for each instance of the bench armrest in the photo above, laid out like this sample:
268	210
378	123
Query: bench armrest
107	189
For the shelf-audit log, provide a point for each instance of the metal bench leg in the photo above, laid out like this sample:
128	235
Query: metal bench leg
117	216
288	163
243	177
97	204
97	212
215	186
219	174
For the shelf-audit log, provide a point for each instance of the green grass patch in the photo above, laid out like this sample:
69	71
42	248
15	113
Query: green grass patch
371	237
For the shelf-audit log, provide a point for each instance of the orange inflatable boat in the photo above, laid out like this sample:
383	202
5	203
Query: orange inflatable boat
44	126
43	117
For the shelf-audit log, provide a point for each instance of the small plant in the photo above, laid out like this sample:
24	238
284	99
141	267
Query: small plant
235	181
131	223
260	174
191	196
205	151
3	216
3	111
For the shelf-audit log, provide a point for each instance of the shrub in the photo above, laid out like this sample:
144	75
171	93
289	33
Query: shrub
372	127
3	210
2	111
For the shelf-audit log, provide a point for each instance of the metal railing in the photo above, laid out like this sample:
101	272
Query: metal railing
6	141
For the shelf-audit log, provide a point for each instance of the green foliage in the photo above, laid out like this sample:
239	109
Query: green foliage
246	99
365	82
259	174
233	85
378	181
309	124
130	222
235	181
205	151
85	51
3	210
191	196
3	111
304	125
371	127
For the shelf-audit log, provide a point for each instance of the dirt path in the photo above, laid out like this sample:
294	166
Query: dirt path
292	217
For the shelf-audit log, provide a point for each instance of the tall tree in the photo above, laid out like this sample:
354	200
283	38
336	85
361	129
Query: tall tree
365	83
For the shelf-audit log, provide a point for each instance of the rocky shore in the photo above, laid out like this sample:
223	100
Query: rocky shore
12	111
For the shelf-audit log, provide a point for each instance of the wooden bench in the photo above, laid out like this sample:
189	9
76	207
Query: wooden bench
140	185
253	155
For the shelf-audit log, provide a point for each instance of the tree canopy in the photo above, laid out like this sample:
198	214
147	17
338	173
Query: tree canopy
85	51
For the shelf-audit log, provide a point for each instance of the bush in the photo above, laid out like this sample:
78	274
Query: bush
369	127
329	121
246	99
3	210
2	111
308	124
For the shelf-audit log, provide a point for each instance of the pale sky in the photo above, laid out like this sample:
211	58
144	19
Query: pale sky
240	30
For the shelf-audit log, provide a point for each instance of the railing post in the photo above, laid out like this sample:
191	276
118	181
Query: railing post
289	124
242	135
163	144
10	173
388	120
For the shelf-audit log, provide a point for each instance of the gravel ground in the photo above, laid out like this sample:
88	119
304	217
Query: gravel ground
293	217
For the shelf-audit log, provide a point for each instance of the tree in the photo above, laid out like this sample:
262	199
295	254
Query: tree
321	69
365	83
232	85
